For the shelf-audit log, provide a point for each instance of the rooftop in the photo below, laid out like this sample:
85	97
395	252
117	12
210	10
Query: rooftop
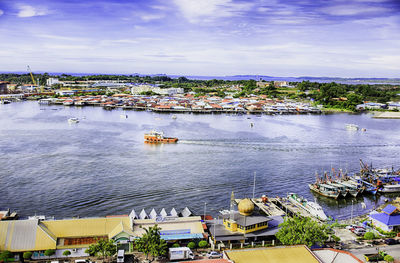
298	254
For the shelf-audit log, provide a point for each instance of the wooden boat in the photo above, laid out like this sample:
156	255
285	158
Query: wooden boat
352	189
158	137
325	190
344	192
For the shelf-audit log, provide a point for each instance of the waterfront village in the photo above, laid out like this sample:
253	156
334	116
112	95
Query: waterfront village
257	229
235	97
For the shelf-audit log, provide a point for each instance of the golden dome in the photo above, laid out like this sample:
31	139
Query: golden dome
246	207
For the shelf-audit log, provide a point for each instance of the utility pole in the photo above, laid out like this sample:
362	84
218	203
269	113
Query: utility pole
254	185
351	218
205	206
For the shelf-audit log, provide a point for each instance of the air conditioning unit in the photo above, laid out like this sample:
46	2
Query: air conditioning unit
74	250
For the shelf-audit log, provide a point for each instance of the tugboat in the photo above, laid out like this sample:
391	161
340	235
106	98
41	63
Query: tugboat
158	137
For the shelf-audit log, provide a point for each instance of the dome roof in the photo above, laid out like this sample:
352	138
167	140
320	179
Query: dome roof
246	207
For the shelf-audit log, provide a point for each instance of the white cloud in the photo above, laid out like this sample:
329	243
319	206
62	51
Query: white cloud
30	11
1	12
150	17
195	11
350	10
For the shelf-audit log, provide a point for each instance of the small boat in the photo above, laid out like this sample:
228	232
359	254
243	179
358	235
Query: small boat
313	208
73	120
158	137
174	117
5	102
123	116
352	127
68	103
325	190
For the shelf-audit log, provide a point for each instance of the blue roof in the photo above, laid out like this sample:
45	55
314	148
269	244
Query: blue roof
389	220
389	209
182	236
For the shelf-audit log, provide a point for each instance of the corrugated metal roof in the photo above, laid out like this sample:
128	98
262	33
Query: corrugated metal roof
84	227
296	254
22	235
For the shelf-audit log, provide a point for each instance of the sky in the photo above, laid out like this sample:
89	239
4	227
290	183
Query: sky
332	38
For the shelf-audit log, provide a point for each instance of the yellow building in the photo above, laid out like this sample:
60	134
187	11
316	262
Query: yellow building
78	234
244	221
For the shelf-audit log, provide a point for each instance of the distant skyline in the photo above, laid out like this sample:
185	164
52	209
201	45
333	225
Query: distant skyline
336	38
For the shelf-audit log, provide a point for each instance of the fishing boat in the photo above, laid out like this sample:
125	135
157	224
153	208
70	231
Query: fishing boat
325	190
158	137
73	120
352	127
388	188
352	189
313	208
344	192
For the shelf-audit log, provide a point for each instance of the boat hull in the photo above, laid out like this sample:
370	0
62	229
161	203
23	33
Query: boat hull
150	139
324	193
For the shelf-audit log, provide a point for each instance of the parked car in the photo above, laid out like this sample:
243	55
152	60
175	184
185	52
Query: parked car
213	254
391	241
359	231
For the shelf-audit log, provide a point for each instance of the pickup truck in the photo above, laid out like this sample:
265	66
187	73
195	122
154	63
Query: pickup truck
375	257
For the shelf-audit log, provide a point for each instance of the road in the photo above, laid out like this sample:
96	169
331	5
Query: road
393	250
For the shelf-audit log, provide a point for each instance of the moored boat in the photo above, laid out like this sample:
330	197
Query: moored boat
73	120
352	189
158	137
325	190
341	189
352	127
313	208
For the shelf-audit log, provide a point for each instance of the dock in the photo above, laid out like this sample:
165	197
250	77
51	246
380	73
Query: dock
269	207
291	209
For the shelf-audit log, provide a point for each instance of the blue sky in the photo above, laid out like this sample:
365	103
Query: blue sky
344	38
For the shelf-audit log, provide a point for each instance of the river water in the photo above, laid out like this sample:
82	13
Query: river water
100	166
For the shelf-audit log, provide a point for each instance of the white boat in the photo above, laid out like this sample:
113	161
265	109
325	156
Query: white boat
313	208
390	188
123	116
352	127
174	117
73	120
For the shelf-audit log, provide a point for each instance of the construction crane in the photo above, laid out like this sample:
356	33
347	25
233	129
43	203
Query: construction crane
33	80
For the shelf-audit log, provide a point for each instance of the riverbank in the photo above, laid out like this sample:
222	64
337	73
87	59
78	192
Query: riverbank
386	115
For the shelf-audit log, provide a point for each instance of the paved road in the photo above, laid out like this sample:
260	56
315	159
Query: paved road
393	250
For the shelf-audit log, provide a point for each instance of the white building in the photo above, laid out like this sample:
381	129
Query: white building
52	81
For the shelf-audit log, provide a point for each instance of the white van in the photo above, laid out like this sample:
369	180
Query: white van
120	256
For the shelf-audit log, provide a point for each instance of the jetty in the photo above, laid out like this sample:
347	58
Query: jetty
268	206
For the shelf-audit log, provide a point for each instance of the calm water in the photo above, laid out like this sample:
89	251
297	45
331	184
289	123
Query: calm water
101	166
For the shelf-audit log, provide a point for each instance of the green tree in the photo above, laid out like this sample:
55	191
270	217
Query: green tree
191	245
202	244
388	258
301	230
369	236
102	247
151	243
67	253
175	245
27	255
5	256
49	252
